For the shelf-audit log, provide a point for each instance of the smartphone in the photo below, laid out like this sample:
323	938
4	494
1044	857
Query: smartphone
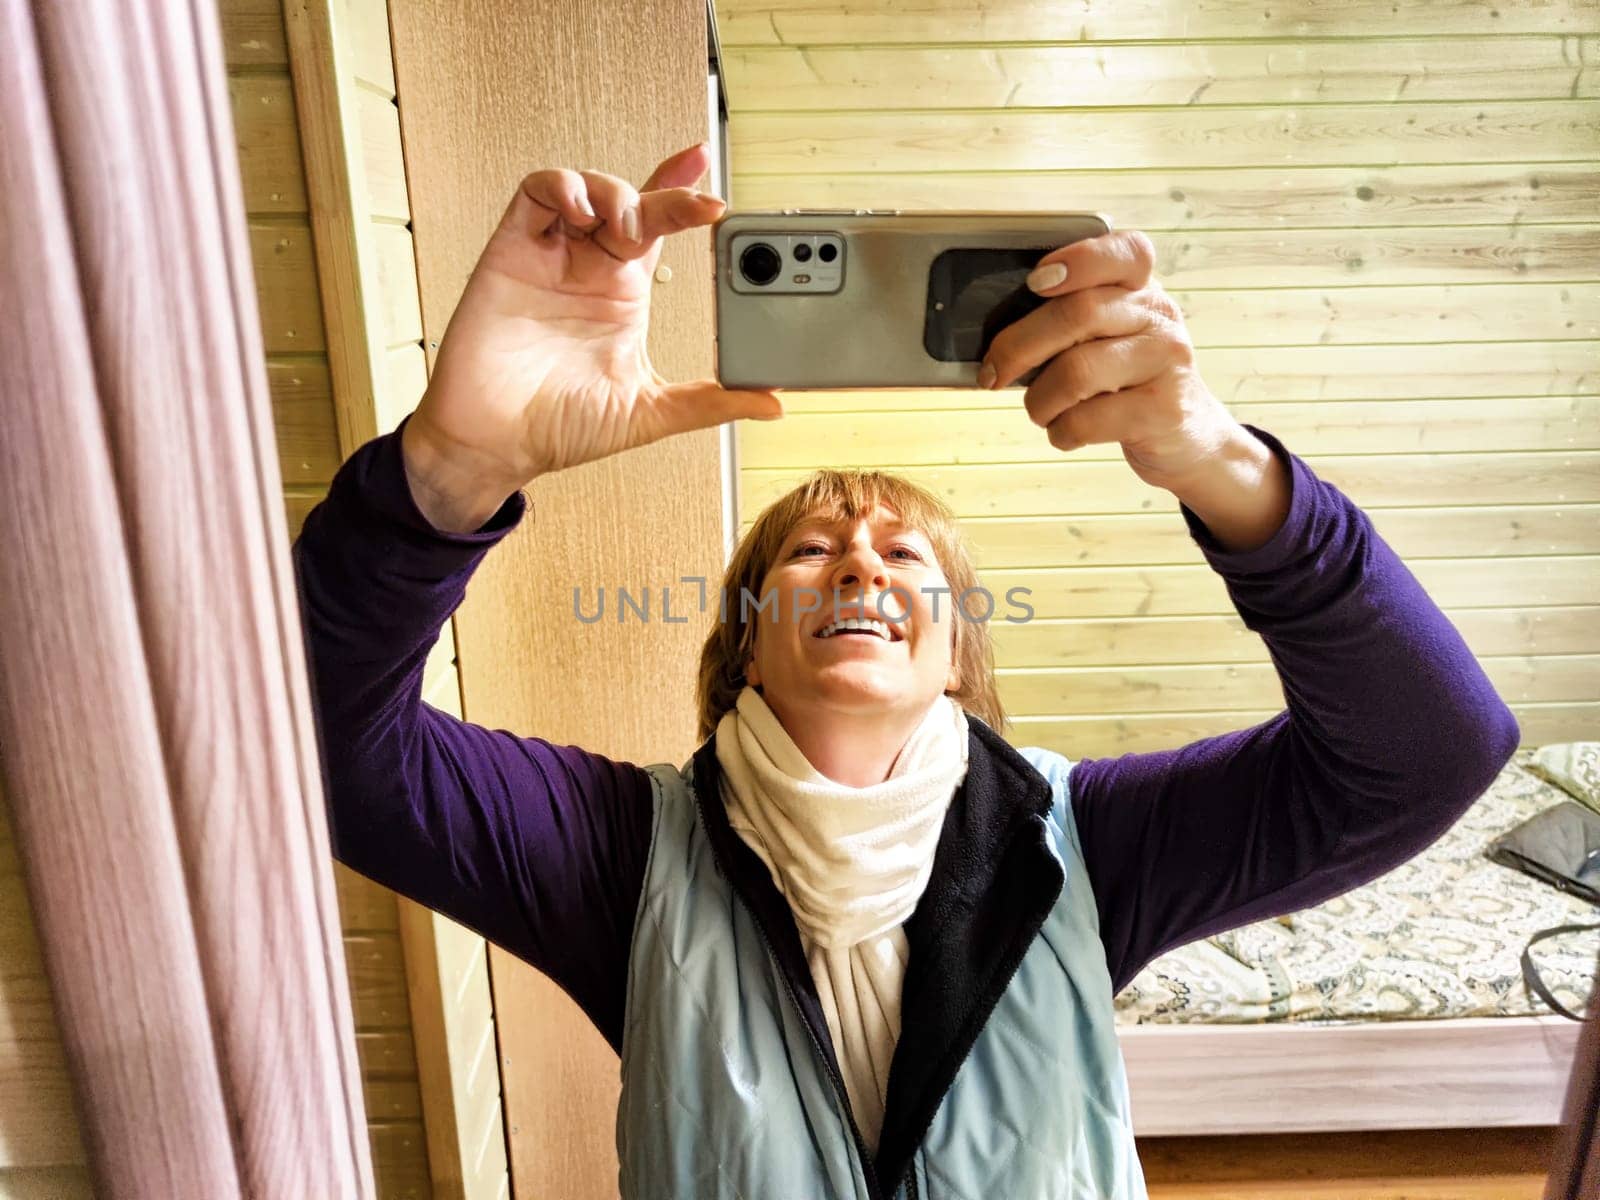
864	298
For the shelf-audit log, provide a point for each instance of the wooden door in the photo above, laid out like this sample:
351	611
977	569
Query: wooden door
489	91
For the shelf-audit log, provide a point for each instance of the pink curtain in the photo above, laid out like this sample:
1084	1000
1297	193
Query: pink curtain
155	725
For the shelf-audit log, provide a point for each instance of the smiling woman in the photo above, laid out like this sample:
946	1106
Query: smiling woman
845	540
858	945
839	710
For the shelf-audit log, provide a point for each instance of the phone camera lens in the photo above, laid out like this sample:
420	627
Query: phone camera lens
760	264
828	252
802	253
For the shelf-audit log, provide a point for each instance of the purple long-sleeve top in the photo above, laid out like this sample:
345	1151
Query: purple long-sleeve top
1391	730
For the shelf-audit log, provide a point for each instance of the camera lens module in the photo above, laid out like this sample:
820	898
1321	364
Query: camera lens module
785	259
760	264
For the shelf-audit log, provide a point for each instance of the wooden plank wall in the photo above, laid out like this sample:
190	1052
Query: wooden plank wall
1381	223
446	964
293	328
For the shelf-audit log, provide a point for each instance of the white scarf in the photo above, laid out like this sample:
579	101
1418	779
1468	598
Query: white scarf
852	862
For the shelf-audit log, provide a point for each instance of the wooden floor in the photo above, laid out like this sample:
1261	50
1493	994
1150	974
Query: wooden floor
1446	1164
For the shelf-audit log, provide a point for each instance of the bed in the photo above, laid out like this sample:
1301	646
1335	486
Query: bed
1399	1005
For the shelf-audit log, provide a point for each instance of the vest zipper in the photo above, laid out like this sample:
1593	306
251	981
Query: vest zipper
867	1168
911	1180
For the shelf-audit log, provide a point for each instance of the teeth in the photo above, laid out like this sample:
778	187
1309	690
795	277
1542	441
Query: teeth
877	627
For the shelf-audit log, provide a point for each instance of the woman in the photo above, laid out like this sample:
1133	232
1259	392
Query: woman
858	946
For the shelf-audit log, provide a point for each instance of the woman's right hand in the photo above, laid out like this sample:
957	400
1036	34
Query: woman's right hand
544	363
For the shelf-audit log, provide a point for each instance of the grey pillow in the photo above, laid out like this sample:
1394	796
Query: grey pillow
1560	845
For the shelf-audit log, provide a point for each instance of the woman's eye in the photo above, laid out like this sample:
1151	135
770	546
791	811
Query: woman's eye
801	550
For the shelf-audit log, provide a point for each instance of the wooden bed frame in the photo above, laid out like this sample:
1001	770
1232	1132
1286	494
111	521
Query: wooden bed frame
1198	1079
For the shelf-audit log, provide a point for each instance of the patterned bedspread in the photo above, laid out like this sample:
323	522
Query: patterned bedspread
1439	936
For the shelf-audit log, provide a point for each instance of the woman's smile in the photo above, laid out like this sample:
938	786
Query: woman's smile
857	637
877	627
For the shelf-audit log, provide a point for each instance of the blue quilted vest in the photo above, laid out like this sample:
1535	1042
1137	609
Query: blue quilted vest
1007	1081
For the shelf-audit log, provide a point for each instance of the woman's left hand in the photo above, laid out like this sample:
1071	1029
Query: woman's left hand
1120	366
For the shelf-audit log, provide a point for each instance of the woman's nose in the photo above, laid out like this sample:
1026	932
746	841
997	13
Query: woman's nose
863	568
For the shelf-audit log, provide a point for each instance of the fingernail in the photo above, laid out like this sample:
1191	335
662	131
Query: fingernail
1041	278
630	224
986	372
583	206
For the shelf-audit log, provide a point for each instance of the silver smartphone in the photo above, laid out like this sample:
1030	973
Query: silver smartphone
863	298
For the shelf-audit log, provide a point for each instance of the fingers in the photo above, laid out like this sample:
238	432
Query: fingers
1117	417
669	202
1105	365
547	197
617	205
607	209
677	210
1060	324
631	223
682	169
1125	258
1173	409
702	403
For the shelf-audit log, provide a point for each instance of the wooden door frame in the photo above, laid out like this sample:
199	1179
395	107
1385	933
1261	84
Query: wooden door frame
336	56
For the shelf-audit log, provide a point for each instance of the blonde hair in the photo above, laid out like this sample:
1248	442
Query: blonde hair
843	495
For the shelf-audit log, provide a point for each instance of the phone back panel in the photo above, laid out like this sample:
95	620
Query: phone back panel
873	331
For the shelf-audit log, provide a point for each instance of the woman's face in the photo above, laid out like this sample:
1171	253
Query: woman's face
849	570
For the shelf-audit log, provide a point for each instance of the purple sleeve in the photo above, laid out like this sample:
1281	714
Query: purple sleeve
540	848
1391	731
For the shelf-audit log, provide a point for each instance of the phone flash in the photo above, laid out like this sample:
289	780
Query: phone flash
802	279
